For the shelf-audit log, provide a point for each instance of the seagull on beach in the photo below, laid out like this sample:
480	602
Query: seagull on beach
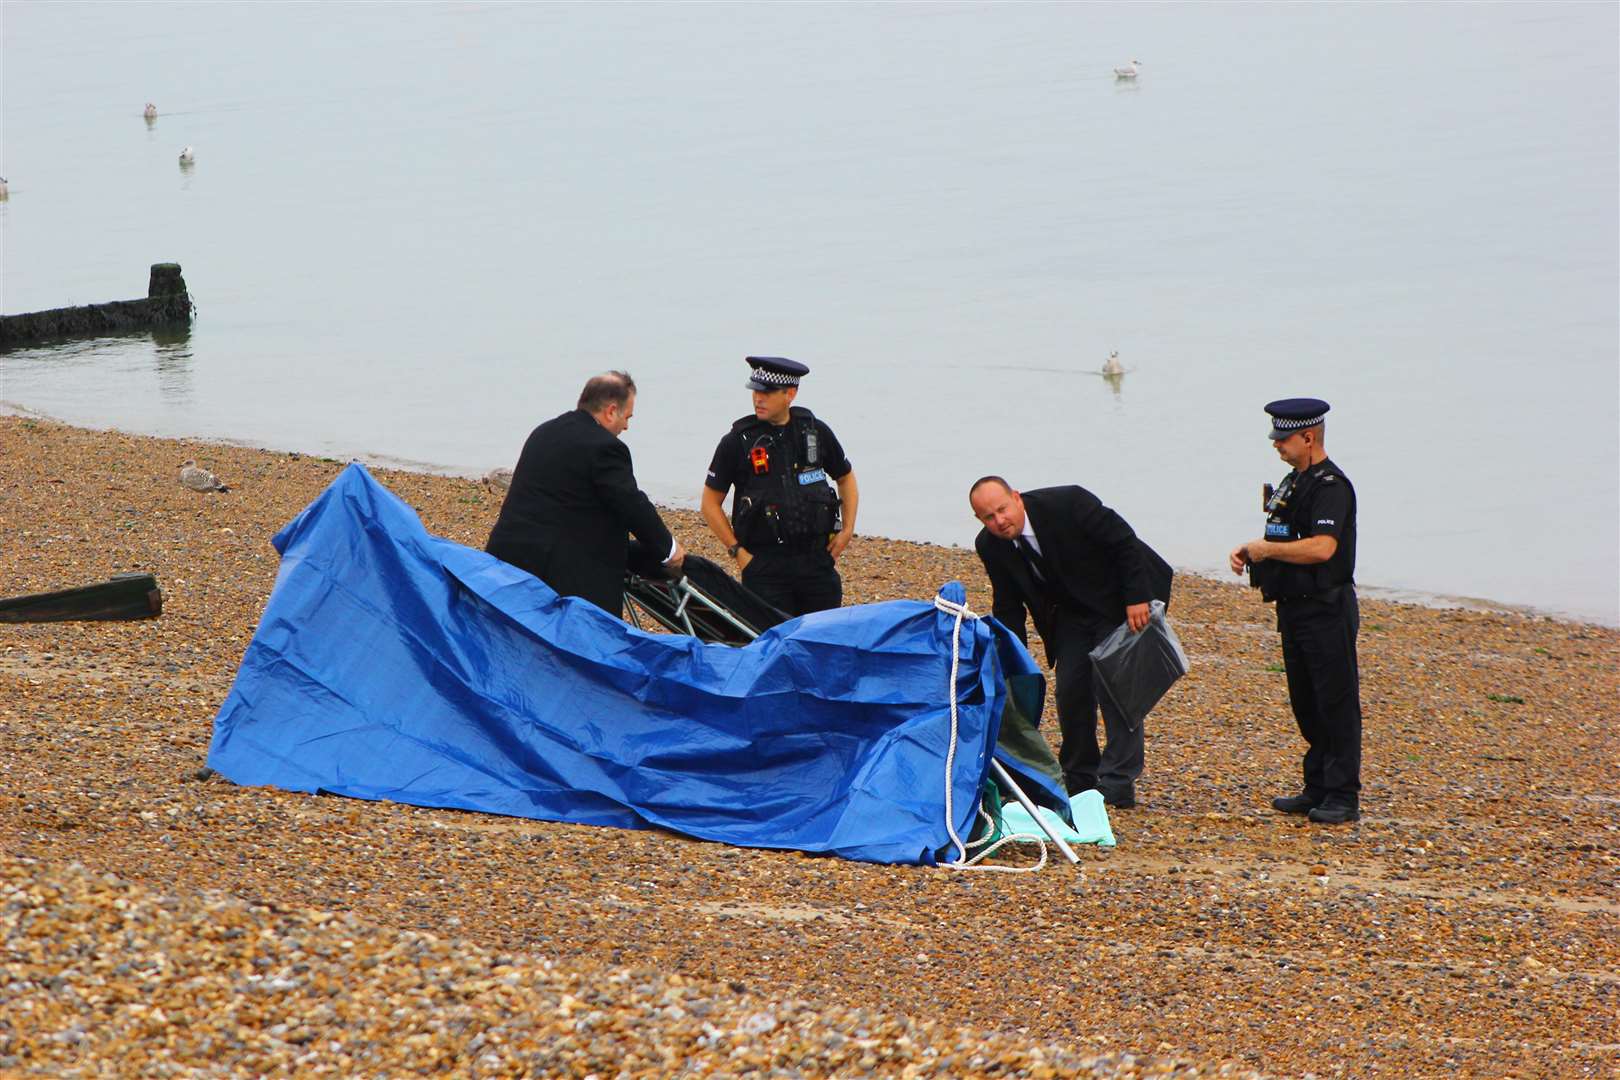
1128	71
500	479
199	479
187	156
151	111
1113	367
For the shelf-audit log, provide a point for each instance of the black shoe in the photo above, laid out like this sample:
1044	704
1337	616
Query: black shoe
1120	798
1295	804
1078	784
1335	815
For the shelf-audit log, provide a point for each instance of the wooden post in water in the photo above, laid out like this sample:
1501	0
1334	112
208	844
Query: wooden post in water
167	303
165	281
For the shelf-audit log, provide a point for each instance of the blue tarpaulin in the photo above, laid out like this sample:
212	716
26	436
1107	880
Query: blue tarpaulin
393	664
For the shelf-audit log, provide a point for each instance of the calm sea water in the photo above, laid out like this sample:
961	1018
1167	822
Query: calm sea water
413	230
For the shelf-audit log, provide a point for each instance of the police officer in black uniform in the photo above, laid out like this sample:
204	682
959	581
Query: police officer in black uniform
788	524
1306	563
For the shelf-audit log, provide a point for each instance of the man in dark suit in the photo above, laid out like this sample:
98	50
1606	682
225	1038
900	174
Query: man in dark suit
1080	571
574	500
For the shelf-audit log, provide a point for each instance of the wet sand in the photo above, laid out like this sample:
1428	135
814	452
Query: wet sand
153	922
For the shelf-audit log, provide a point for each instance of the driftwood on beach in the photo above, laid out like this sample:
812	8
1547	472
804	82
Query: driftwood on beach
126	596
167	303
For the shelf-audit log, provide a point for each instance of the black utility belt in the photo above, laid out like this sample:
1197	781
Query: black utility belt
1326	596
808	542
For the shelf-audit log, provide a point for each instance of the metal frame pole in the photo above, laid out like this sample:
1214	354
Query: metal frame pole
1003	776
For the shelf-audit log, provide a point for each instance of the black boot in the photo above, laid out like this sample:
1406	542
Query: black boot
1078	783
1119	796
1296	804
1335	814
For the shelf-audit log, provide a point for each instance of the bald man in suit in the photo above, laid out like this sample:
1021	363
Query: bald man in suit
574	502
1079	570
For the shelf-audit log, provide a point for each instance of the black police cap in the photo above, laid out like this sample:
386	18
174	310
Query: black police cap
775	372
1295	414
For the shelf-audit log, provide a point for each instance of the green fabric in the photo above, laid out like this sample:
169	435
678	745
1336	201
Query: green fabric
1090	820
1020	740
990	802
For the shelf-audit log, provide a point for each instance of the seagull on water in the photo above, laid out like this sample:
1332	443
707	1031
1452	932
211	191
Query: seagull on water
151	111
199	479
1128	71
1113	367
187	156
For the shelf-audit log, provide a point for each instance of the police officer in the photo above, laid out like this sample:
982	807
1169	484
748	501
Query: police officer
1306	563
788	525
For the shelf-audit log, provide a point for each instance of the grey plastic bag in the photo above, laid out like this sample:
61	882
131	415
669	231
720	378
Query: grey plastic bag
1134	670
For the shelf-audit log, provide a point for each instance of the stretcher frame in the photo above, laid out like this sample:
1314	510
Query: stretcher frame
670	604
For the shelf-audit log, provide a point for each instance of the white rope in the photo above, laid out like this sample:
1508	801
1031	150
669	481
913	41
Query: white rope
962	861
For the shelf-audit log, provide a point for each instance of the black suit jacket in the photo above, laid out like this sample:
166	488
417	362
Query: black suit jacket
1095	565
572	502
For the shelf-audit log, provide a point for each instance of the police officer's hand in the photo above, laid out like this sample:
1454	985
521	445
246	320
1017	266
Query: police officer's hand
676	561
744	557
1239	558
839	541
1138	615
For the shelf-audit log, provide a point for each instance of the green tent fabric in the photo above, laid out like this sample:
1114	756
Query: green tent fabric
1020	740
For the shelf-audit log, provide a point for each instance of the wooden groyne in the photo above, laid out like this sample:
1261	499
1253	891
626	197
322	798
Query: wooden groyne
167	304
126	596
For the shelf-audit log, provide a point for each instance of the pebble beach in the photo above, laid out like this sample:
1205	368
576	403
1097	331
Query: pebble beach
156	920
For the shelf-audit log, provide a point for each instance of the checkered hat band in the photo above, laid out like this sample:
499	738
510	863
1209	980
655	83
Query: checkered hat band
1283	424
780	378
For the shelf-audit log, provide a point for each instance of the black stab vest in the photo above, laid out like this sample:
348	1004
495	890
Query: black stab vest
1290	513
784	494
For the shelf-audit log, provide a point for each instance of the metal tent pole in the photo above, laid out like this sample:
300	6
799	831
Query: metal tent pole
1003	776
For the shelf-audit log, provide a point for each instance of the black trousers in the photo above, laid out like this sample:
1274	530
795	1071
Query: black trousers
1084	764
798	579
1324	688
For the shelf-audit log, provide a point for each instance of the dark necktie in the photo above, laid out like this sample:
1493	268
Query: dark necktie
1036	564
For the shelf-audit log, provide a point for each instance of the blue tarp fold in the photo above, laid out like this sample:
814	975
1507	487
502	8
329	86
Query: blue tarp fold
393	664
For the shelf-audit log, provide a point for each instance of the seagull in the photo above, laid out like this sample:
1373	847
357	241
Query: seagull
187	156
1129	71
5	192
151	111
198	479
499	478
1113	367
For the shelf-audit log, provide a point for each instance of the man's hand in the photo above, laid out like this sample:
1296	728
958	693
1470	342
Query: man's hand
839	541
744	557
1239	558
1137	615
677	560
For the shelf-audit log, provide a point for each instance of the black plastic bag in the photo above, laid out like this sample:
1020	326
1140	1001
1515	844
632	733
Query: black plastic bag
1134	670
